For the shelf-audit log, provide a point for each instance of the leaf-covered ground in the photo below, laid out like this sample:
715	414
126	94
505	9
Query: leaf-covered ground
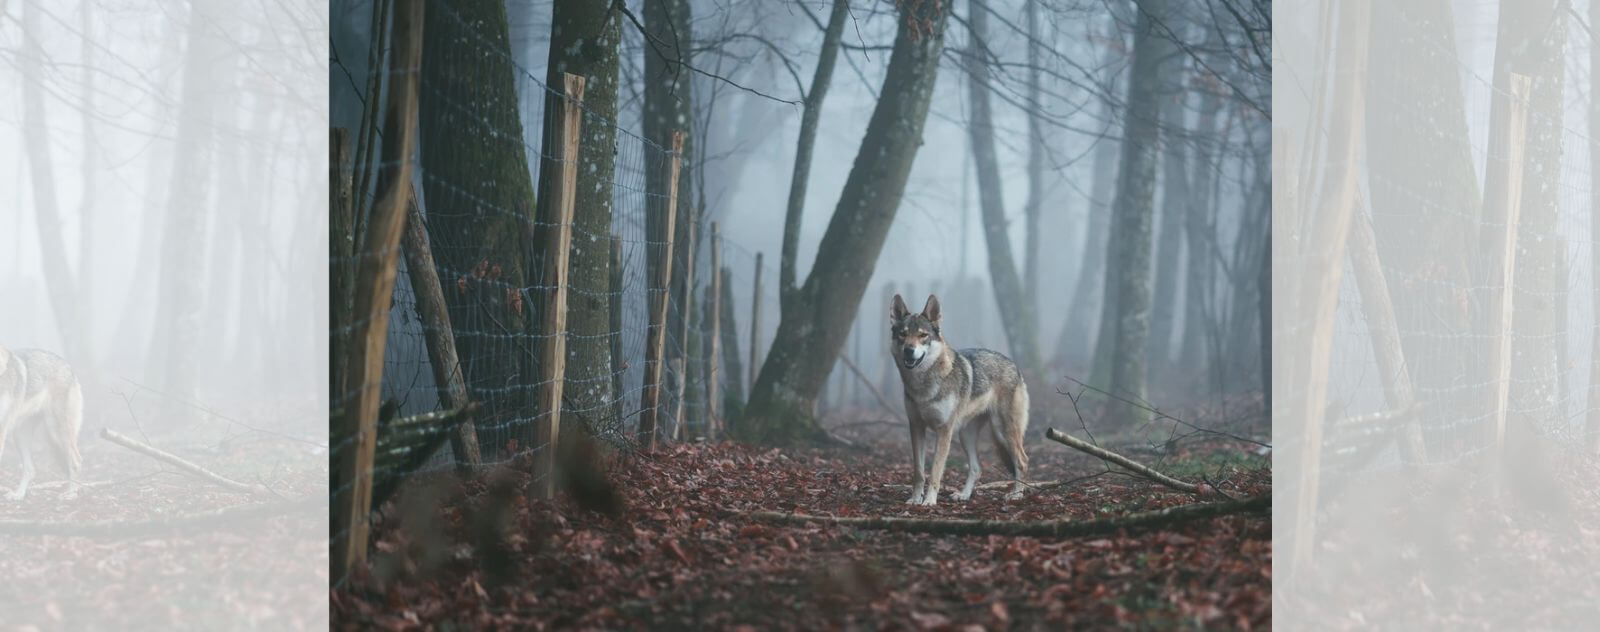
679	554
265	573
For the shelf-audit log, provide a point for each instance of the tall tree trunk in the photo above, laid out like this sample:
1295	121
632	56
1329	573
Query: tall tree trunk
584	37
1592	432
1135	208
1016	307
479	201
86	207
818	318
668	109
1036	157
47	211
1532	36
802	154
1199	264
1175	207
178	317
1089	293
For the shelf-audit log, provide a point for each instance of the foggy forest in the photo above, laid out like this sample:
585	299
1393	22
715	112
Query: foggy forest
627	300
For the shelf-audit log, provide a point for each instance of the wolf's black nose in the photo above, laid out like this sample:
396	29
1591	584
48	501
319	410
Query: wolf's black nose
908	353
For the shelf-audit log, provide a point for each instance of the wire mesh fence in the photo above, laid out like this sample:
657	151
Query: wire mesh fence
467	317
1442	202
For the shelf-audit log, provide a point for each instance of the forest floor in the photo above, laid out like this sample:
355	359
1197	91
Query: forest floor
678	551
264	572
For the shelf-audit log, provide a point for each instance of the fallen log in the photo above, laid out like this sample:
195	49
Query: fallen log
181	463
1030	528
1142	470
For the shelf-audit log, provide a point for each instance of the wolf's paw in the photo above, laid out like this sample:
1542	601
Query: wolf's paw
69	495
1015	494
930	499
963	495
15	495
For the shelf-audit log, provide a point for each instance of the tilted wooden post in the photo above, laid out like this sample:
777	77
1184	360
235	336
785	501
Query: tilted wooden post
437	335
615	329
356	430
686	305
656	338
560	194
755	328
1503	207
341	247
713	418
1385	336
1327	233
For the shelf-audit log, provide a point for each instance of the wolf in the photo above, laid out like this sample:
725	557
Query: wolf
41	402
955	393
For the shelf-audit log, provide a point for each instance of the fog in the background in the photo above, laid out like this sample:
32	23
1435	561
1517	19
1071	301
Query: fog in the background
250	230
745	146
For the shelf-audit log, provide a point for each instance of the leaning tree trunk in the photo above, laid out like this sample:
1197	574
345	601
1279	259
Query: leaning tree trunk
1016	307
479	199
802	154
817	320
1134	210
583	41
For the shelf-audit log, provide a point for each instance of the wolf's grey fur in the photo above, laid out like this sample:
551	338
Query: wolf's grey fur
955	393
40	402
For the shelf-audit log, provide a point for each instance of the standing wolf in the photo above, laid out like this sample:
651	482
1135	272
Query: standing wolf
41	401
955	393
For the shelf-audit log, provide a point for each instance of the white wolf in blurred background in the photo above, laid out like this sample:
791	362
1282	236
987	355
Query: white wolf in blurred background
40	403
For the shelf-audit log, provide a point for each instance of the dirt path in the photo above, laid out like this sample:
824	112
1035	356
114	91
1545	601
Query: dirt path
680	556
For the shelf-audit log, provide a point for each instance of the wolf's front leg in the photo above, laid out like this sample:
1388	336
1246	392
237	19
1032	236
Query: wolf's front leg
919	458
27	475
941	452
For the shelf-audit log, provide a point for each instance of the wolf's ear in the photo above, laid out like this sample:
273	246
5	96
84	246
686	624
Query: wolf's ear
898	310
931	310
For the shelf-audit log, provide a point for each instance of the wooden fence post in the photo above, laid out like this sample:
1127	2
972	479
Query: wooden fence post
436	333
755	329
656	338
356	428
1503	207
686	305
558	190
615	322
1385	337
713	419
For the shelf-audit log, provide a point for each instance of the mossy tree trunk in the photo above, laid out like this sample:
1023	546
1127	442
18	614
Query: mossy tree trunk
478	196
584	36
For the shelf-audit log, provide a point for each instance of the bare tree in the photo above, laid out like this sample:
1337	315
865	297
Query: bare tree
802	154
818	319
1134	209
1016	307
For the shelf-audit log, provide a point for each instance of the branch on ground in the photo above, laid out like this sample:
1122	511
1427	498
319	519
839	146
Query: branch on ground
1142	470
181	463
1036	529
